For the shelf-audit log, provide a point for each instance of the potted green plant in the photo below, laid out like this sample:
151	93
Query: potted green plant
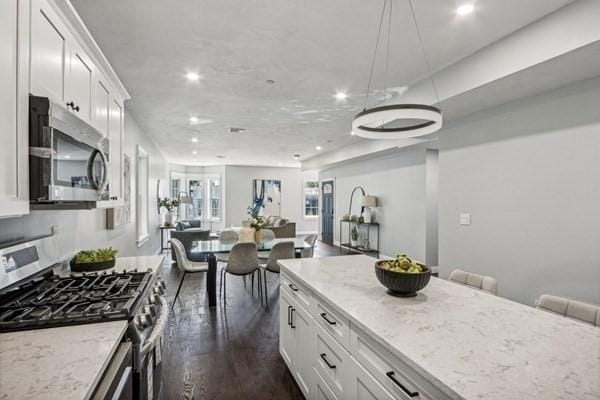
169	205
256	222
93	260
354	237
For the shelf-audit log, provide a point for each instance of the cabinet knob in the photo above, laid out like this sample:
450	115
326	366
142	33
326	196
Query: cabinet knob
76	108
70	104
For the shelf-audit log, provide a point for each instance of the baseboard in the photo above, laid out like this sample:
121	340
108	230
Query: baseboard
307	233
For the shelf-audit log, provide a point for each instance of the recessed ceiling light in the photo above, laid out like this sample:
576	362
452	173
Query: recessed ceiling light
195	140
280	164
194	152
465	9
192	77
318	148
67	156
197	121
236	130
220	156
269	81
296	156
341	96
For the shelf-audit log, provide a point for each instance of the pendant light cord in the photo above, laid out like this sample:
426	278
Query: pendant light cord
387	54
375	54
429	69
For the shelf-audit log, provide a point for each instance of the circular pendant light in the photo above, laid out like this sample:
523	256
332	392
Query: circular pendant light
417	120
396	121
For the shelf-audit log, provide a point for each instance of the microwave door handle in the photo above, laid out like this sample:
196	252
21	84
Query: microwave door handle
99	186
102	184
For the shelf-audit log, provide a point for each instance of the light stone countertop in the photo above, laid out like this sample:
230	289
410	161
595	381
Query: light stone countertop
469	344
56	363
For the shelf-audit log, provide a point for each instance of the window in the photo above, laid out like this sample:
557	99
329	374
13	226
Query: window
311	199
214	197
205	192
196	188
142	196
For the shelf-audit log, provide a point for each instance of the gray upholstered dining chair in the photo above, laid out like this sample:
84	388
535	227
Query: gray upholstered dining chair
227	236
243	261
266	235
308	252
280	251
584	312
185	265
480	282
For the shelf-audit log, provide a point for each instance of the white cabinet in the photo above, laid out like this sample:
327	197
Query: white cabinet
79	83
331	359
50	56
115	130
295	342
101	115
14	88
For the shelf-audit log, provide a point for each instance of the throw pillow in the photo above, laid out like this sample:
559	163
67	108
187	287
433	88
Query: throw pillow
280	222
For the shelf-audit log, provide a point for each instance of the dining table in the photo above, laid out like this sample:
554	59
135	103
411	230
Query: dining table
210	249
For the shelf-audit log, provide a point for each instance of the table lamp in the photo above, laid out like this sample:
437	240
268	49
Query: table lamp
368	202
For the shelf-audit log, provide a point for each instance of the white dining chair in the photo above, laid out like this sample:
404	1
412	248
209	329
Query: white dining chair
227	236
309	252
280	251
243	261
185	265
266	235
577	310
480	282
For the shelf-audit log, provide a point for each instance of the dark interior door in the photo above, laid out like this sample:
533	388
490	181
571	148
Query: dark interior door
327	211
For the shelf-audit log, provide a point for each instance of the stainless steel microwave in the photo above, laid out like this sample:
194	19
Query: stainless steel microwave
68	158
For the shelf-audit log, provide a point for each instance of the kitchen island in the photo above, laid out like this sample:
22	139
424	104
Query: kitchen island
449	342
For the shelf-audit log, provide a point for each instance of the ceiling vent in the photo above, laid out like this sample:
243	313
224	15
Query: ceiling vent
236	130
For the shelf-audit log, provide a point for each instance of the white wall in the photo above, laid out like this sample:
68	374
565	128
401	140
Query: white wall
86	228
239	193
398	181
529	175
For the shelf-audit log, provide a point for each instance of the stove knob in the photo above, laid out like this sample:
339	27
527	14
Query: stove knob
144	321
162	283
153	299
159	290
150	310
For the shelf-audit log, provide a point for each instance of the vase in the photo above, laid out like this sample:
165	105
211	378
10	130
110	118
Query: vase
168	218
257	236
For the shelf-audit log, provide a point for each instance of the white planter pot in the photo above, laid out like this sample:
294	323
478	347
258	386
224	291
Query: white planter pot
168	218
353	243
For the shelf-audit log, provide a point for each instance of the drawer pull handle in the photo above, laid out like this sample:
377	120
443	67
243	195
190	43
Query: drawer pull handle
391	375
330	322
292	318
326	361
289	316
294	288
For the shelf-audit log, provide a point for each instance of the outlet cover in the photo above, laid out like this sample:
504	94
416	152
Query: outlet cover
465	219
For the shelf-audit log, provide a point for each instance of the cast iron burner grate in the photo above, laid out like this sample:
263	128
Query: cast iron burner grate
76	299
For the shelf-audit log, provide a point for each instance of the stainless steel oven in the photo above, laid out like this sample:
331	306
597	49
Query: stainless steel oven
68	158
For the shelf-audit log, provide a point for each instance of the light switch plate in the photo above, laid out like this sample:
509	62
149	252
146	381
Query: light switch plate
465	219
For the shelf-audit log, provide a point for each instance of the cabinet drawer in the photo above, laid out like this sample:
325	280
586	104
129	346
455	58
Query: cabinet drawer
334	323
322	390
333	363
394	375
298	292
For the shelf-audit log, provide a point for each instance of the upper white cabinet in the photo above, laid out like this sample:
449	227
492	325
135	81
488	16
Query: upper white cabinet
14	64
79	83
116	151
101	117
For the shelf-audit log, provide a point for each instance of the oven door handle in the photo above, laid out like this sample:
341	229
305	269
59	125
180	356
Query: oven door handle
159	328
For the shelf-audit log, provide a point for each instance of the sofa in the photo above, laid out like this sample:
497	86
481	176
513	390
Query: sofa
187	232
281	227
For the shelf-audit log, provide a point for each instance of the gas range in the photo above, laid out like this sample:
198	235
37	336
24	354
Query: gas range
75	299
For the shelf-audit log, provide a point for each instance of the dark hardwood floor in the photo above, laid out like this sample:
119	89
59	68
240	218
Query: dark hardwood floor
230	352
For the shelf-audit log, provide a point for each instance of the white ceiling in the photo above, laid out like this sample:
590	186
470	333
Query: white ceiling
310	48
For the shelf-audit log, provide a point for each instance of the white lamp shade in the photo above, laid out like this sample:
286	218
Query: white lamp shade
369	201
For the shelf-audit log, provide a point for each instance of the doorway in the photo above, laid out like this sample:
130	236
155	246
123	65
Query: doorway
327	212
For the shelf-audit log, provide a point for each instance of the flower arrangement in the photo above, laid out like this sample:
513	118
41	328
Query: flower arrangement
168	203
257	222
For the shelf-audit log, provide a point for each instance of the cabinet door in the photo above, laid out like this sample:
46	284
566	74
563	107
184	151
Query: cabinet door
49	58
303	335
287	343
366	387
101	106
79	83
116	150
14	64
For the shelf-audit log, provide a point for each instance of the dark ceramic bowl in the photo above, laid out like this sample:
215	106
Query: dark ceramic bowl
92	266
402	284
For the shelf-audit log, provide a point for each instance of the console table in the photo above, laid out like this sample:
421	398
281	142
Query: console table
372	226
